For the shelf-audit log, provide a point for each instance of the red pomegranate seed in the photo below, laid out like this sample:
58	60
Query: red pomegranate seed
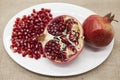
34	11
24	54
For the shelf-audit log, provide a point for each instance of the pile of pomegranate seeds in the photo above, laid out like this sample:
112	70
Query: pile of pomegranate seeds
26	32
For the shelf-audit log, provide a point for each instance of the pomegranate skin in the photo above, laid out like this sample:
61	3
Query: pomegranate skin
98	31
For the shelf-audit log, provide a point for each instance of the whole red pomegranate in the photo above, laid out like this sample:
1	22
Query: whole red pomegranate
98	30
59	39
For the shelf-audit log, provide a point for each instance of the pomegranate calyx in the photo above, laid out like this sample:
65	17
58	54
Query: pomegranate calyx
110	17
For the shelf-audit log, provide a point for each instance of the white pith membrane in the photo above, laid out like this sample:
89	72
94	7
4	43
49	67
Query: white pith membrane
69	53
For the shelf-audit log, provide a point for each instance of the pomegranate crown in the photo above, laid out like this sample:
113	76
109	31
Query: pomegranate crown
110	17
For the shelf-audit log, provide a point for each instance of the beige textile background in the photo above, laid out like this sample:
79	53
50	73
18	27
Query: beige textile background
109	70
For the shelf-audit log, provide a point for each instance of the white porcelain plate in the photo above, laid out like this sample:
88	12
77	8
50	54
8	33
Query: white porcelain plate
86	61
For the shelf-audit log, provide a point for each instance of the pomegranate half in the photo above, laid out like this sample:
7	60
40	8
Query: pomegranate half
64	39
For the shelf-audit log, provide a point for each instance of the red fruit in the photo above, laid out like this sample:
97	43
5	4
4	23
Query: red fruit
62	49
98	30
37	35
